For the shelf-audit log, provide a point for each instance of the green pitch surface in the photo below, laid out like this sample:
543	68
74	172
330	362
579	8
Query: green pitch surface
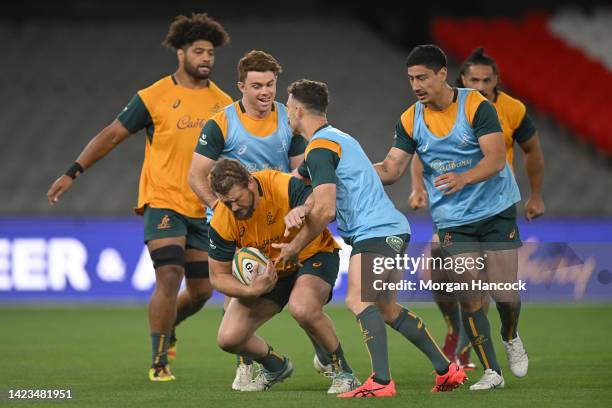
102	355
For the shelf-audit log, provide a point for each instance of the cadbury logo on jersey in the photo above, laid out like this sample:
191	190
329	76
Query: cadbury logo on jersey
185	122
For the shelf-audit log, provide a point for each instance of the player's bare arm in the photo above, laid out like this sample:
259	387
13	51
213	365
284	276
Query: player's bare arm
221	279
393	167
295	218
97	148
418	194
494	152
198	179
294	163
534	163
323	212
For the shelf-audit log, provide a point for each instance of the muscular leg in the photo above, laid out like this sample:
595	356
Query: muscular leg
502	267
237	331
371	323
309	295
474	317
198	289
162	305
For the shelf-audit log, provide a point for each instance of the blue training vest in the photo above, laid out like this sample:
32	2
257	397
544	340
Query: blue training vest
458	152
257	152
363	208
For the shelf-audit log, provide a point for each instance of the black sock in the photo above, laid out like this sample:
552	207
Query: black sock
375	337
409	325
509	315
479	331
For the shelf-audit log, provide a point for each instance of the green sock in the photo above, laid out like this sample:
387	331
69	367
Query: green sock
375	337
159	346
452	317
463	345
339	361
479	331
409	325
324	356
272	361
509	315
240	359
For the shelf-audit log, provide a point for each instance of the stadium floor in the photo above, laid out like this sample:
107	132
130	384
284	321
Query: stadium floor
101	354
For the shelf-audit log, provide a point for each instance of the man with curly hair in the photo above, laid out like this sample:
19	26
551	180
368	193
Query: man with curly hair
172	111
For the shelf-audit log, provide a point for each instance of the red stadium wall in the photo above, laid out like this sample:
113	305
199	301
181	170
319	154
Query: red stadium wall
556	78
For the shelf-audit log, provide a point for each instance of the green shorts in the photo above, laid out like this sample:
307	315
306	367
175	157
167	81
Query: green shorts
164	223
387	246
325	265
498	232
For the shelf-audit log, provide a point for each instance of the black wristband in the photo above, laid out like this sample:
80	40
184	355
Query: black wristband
75	170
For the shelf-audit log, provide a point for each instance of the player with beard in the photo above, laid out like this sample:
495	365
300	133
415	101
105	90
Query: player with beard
479	71
254	131
252	214
172	112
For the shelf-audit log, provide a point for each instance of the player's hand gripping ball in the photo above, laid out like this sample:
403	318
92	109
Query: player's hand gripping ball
247	261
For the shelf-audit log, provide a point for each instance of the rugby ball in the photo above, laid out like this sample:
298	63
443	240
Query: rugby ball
247	261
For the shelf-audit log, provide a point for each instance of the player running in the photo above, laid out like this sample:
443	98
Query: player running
254	131
347	188
472	193
172	112
479	71
252	212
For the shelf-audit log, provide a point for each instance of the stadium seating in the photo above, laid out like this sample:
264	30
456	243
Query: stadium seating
561	64
63	92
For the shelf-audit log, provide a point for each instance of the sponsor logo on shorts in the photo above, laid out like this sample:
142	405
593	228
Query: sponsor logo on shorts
512	233
395	243
176	104
165	223
317	264
202	139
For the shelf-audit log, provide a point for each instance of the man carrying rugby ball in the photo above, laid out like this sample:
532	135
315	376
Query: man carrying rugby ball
253	215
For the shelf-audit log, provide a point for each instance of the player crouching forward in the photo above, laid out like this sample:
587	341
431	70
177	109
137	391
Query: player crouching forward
253	214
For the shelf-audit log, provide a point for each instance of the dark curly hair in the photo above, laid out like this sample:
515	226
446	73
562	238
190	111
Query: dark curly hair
185	30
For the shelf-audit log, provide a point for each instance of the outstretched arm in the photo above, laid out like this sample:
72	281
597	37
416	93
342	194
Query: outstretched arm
97	148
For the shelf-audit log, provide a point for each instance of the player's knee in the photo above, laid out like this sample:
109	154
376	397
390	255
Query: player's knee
199	290
229	340
304	312
353	303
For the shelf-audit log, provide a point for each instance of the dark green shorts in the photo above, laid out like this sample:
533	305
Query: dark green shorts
322	264
164	223
498	232
387	246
